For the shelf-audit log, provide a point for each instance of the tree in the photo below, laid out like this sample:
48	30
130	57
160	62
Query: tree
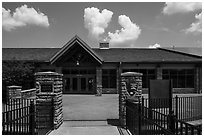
19	73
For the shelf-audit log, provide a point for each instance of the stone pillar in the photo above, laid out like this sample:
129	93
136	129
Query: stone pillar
98	81
50	87
131	88
14	92
159	72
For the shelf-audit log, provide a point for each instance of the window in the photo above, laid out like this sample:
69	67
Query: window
109	78
183	78
147	75
79	71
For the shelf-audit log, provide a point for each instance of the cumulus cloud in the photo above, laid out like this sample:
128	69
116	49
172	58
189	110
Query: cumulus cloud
95	21
128	33
154	46
196	27
181	7
23	16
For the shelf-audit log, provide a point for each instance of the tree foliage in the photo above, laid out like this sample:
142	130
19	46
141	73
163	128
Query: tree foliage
18	73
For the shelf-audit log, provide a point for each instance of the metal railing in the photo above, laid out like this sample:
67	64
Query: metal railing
18	117
157	117
183	128
185	108
188	108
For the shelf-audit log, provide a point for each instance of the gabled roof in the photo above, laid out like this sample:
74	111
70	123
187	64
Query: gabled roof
145	55
71	43
28	54
134	55
189	50
108	55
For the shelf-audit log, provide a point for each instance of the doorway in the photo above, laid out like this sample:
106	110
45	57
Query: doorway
79	84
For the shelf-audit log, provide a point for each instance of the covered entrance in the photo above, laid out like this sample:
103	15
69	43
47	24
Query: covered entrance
78	64
82	82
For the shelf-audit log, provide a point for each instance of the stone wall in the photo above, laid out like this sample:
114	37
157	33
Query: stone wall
29	93
109	90
50	87
14	92
131	88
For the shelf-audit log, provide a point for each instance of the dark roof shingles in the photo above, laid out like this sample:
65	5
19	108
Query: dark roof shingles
108	55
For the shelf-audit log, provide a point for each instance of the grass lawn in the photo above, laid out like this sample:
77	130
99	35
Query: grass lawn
90	107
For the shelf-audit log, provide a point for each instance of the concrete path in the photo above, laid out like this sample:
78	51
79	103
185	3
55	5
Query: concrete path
87	128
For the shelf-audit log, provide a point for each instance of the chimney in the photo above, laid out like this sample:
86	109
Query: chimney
104	45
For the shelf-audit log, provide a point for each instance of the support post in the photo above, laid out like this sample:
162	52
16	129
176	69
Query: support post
32	118
171	121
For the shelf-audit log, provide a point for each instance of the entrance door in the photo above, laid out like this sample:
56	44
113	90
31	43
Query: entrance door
79	84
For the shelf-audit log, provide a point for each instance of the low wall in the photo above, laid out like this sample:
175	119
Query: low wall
29	93
109	90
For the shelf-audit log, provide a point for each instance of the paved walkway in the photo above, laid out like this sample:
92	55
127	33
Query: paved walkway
88	128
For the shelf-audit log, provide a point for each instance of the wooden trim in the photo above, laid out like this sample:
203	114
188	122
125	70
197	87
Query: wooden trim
68	45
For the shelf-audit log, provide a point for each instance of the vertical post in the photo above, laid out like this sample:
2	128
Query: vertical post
32	118
53	113
99	81
176	99
171	122
139	118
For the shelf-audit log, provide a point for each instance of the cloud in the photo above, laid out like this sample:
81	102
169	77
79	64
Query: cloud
181	7
128	33
95	21
154	46
196	27
23	16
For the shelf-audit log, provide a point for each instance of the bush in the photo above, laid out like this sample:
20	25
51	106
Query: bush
19	73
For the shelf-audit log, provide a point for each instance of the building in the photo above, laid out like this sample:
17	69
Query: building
93	70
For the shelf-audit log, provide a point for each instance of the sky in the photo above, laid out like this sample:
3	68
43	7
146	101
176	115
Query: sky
122	24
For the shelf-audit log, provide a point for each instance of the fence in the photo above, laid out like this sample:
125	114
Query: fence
18	117
22	117
142	118
188	108
185	108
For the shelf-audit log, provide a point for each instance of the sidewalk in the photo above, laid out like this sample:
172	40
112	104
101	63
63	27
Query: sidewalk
88	128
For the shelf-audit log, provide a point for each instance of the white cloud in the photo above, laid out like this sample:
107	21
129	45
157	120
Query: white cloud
128	33
96	22
181	7
155	46
23	16
196	27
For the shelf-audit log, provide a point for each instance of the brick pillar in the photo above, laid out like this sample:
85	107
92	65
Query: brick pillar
159	72
14	92
50	87
131	88
98	81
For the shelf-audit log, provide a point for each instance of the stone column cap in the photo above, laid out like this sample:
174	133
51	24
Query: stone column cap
13	86
129	74
48	73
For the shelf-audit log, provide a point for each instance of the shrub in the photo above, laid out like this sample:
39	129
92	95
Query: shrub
19	73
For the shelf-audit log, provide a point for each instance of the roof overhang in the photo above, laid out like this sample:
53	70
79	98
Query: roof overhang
71	43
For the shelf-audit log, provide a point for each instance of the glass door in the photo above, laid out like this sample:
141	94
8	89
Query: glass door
75	84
